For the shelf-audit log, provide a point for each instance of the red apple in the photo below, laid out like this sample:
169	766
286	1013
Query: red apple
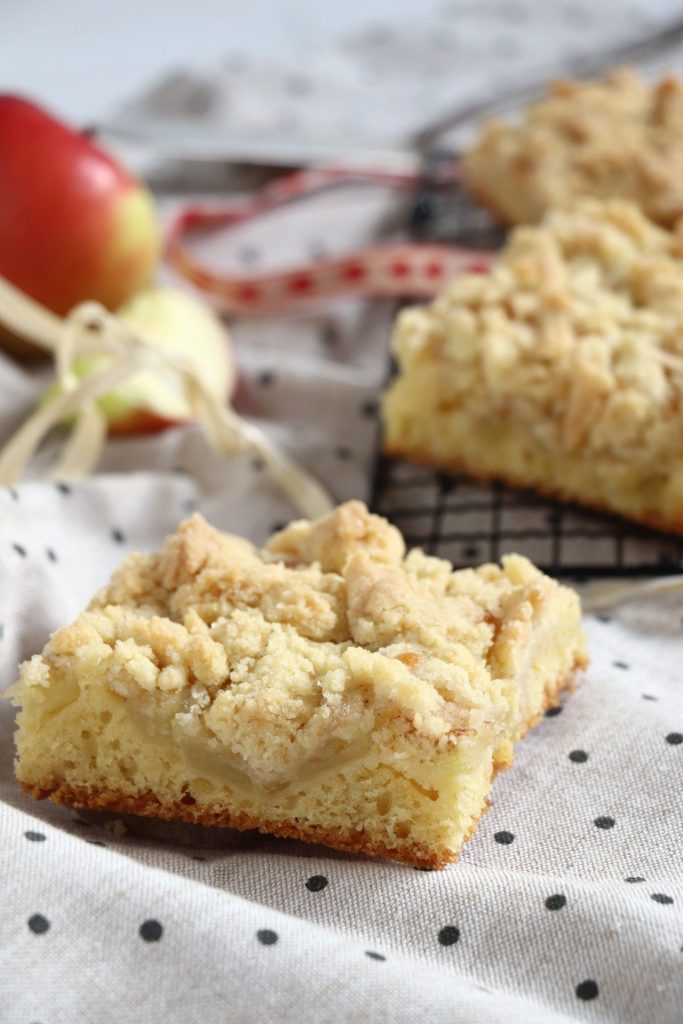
74	225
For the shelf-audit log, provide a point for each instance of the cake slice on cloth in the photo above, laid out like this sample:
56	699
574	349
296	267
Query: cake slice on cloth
330	688
560	369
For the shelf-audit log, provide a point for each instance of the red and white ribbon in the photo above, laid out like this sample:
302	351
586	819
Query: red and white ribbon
406	269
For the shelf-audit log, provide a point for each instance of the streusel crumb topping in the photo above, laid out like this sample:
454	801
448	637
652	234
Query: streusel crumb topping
575	332
619	137
282	657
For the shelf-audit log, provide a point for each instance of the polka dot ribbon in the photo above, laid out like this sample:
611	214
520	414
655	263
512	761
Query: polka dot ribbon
406	269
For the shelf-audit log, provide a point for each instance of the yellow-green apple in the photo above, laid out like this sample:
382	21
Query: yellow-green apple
151	400
74	224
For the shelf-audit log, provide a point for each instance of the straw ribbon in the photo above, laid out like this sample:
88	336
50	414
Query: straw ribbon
90	329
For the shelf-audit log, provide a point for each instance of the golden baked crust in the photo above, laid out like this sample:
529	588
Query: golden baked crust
353	841
554	489
560	369
330	687
620	137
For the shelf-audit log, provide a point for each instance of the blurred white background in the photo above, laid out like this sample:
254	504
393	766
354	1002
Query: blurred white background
84	57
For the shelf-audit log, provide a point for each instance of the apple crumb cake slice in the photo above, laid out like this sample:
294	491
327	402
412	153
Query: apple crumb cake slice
330	687
559	369
619	137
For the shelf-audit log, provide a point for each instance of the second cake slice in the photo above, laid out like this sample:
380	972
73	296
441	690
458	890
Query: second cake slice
560	369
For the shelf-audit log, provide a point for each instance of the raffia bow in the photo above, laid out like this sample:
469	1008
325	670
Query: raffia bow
90	329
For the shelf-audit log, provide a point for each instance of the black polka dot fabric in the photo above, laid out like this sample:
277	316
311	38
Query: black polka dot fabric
316	883
449	935
369	408
38	924
604	822
587	990
565	905
151	930
661	897
504	837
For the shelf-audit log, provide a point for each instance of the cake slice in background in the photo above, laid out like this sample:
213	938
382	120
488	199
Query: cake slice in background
561	369
620	137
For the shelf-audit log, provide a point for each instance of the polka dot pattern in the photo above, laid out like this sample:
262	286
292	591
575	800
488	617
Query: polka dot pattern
38	924
587	990
316	883
522	919
151	930
449	935
504	838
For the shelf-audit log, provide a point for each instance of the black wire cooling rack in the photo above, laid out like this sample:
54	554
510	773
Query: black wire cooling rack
466	522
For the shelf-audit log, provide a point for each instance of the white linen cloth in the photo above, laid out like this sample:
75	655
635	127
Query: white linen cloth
566	904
